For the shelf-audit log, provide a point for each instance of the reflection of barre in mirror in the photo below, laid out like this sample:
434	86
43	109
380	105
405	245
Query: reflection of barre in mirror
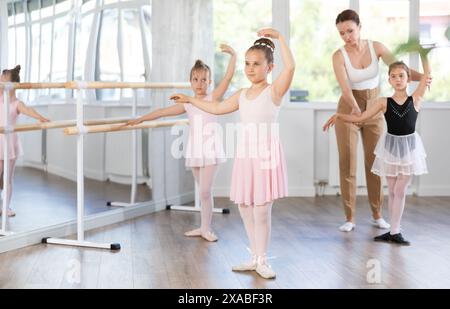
102	128
62	124
81	128
81	124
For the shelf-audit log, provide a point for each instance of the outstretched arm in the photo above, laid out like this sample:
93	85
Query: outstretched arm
379	105
173	110
218	108
31	112
218	93
422	87
282	83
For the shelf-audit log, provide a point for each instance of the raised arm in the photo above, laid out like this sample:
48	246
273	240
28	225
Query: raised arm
341	77
282	83
215	107
31	112
388	57
379	105
173	110
422	87
218	93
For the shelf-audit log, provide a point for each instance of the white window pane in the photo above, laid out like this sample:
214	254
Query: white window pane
11	47
34	70
60	52
33	9
147	15
21	47
10	14
133	57
388	26
230	27
108	61
314	38
434	22
88	5
35	40
62	6
82	40
20	15
46	8
46	38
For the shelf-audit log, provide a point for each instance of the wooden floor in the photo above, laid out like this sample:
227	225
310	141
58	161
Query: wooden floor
41	199
308	251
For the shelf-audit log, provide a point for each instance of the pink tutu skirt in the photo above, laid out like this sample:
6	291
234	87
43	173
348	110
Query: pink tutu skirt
259	179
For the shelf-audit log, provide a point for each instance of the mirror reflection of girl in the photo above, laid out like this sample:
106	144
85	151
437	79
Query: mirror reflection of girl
203	162
15	149
399	153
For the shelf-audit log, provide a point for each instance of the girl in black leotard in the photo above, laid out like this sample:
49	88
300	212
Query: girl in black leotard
399	152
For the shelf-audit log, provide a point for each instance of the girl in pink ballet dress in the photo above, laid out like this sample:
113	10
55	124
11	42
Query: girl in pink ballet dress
259	172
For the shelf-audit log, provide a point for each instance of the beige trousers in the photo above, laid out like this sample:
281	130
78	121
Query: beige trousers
347	140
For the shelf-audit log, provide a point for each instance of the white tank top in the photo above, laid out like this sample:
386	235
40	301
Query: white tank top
361	79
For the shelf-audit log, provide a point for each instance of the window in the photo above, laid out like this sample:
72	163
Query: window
133	57
11	47
46	49
21	47
314	38
62	6
60	53
230	27
388	26
48	25
82	40
46	8
88	5
33	9
108	56
434	22
35	56
20	14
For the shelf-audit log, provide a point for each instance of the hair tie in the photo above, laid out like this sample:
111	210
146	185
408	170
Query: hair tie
264	44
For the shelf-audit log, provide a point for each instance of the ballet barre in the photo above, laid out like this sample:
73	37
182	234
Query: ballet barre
102	128
81	130
62	124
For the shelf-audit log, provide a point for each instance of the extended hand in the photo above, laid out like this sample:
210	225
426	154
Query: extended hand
330	122
269	33
224	48
180	98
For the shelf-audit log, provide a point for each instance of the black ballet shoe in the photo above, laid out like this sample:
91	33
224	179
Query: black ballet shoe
399	240
386	237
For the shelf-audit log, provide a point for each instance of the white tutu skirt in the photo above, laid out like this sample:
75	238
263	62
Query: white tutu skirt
399	155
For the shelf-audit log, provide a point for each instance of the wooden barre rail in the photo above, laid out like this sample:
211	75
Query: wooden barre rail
123	127
96	85
63	124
